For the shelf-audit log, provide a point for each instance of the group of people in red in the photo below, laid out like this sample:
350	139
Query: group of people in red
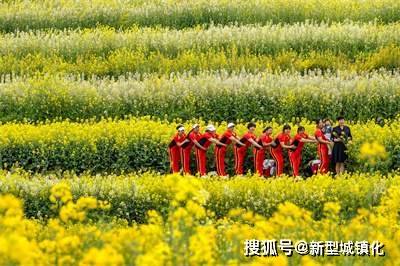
180	148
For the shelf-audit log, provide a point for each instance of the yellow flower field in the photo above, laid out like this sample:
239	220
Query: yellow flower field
140	143
92	92
190	234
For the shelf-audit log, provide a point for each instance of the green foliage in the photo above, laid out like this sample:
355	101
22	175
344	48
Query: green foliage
124	62
131	196
348	39
140	144
30	15
216	96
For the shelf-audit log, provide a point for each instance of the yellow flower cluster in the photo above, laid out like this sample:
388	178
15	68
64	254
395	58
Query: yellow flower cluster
372	152
60	192
104	256
190	234
73	211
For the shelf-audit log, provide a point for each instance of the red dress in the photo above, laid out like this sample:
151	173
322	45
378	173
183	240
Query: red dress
174	152
259	154
201	155
186	150
240	152
323	152
295	155
220	152
277	152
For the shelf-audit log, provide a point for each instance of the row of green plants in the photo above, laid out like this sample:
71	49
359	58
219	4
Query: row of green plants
123	61
27	15
188	220
131	196
218	96
140	144
345	38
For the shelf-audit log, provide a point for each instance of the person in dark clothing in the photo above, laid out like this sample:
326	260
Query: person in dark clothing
341	135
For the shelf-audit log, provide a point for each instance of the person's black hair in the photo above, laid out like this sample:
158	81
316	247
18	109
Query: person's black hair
266	129
318	120
340	117
178	126
250	125
300	128
286	127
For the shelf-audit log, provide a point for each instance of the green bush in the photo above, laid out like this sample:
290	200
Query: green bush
140	144
125	62
31	15
131	196
215	96
349	39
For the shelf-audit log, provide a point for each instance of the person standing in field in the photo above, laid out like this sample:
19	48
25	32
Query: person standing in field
240	151
282	142
327	130
322	147
295	153
205	141
187	145
227	138
341	136
266	142
174	149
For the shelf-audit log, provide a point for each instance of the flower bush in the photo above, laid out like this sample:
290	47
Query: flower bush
191	233
31	15
130	196
216	96
140	144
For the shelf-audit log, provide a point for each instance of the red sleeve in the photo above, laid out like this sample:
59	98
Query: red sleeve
228	134
182	138
265	139
282	138
318	133
192	136
305	136
249	136
298	137
207	135
176	138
